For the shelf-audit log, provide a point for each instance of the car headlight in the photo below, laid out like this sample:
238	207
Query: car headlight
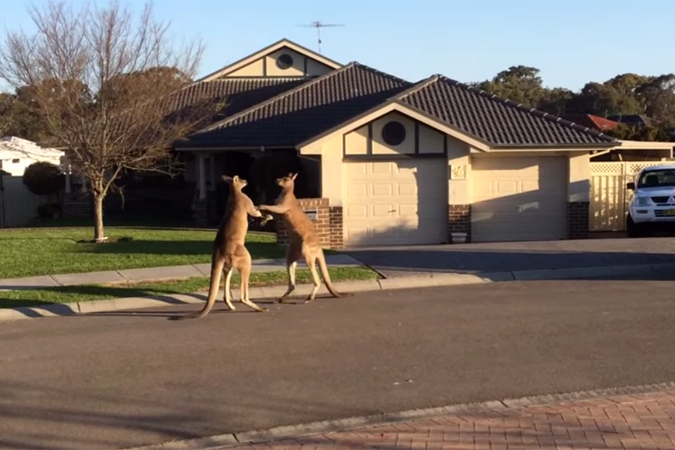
642	201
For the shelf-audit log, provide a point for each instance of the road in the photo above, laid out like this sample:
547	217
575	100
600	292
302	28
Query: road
118	380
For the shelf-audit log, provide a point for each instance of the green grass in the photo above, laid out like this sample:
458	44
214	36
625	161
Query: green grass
51	251
69	294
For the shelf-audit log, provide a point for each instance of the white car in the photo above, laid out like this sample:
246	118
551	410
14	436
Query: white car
653	201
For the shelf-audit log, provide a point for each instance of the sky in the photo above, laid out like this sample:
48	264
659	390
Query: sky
572	42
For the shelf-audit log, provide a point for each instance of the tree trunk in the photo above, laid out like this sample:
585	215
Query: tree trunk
99	232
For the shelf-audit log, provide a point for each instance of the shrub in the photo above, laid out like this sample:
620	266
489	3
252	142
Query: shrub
43	178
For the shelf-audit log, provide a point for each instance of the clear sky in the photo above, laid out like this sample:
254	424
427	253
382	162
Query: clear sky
571	41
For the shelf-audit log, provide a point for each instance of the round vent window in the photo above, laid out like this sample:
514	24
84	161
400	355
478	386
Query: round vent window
393	133
284	61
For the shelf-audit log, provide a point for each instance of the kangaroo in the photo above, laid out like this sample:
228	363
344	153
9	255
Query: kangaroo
229	252
303	239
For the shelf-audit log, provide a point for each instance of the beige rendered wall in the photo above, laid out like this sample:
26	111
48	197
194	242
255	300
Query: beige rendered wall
579	187
459	172
356	142
430	140
255	69
331	167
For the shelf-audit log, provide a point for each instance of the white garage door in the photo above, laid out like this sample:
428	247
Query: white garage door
518	199
395	202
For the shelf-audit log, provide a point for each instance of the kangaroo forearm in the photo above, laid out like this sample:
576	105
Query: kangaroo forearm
276	209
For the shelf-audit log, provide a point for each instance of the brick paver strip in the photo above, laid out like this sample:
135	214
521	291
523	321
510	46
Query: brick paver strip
639	421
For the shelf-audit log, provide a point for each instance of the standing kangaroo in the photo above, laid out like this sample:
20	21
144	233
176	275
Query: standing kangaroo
229	252
303	239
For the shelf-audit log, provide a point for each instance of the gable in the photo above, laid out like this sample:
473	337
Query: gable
282	59
417	138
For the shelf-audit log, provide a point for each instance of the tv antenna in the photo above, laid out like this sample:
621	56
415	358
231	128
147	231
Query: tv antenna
319	25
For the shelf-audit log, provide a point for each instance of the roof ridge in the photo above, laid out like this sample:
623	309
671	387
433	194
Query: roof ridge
416	87
300	88
534	111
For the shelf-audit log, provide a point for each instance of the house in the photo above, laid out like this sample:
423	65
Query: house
384	161
17	154
637	120
592	121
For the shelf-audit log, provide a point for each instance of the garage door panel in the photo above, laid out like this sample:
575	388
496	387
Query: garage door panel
521	198
405	202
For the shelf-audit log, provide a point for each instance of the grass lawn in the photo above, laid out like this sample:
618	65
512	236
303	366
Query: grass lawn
68	294
51	251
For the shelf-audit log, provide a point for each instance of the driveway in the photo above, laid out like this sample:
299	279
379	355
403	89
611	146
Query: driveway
505	257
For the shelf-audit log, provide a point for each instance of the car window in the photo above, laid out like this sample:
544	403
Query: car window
657	178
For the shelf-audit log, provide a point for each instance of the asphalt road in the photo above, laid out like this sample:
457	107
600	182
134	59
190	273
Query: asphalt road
119	380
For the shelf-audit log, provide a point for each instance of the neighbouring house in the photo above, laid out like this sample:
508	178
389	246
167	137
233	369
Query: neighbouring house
639	120
17	154
384	161
592	121
629	150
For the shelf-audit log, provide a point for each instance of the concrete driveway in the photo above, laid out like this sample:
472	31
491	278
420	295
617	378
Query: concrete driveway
515	256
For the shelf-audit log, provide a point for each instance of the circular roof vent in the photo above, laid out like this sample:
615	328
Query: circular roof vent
284	61
393	133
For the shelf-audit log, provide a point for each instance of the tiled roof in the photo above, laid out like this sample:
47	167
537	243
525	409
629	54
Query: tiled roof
631	119
591	121
306	111
239	93
494	120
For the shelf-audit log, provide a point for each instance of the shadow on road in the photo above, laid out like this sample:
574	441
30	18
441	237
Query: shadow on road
86	421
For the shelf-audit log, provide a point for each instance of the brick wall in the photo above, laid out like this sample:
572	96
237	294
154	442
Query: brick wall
328	222
459	221
577	220
77	204
336	226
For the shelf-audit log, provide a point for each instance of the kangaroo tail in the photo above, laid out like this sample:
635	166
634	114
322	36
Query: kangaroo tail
216	273
325	275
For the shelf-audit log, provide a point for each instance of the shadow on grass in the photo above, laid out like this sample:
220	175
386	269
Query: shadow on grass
69	294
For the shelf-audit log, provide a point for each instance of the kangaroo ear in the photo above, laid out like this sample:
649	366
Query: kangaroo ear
235	178
293	176
227	179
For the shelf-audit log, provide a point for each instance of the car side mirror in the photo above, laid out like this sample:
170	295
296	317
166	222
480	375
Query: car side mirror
630	186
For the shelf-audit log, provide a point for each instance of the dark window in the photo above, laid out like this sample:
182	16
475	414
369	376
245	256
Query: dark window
16	161
393	133
284	61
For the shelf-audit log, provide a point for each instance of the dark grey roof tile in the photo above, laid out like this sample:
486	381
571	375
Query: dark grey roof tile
305	111
494	120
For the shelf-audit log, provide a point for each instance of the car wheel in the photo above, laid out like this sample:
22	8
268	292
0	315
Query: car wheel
633	229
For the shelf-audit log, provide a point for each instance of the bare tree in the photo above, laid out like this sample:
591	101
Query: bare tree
102	79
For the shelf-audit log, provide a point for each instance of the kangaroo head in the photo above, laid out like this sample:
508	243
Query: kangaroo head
235	182
287	182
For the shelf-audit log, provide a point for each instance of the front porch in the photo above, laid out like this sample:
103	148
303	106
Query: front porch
260	168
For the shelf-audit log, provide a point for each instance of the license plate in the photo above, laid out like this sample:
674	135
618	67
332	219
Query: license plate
669	212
